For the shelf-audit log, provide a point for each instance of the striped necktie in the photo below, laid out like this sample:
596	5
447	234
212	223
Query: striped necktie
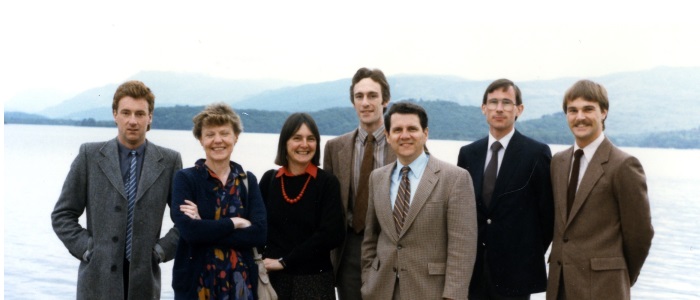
131	198
402	199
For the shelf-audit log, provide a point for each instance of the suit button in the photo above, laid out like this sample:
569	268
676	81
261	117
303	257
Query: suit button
483	244
117	208
113	268
399	247
115	239
488	221
559	262
566	239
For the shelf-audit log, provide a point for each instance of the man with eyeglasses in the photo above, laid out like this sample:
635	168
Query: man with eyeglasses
514	202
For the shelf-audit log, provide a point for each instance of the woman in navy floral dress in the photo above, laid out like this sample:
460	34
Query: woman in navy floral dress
219	219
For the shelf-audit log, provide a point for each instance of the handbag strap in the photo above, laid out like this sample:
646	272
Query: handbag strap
244	179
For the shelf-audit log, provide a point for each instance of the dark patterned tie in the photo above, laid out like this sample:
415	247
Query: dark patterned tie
131	198
403	198
360	208
490	174
573	182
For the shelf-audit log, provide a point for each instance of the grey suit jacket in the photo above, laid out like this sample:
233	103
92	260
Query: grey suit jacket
434	254
94	186
601	247
337	160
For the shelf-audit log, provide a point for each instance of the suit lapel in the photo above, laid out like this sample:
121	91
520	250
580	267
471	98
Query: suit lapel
425	188
508	167
382	203
561	179
593	173
109	164
151	169
478	169
345	168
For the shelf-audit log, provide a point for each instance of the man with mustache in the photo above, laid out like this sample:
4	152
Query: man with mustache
602	220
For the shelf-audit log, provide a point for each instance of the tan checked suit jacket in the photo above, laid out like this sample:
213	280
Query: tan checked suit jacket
601	247
434	254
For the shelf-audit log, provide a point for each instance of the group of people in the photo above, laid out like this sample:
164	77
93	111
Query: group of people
382	218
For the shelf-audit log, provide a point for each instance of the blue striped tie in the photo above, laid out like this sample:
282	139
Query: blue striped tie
131	197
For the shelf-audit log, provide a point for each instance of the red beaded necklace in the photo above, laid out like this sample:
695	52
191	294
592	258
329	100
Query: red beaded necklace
295	200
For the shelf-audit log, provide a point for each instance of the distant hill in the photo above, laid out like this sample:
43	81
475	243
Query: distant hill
170	89
658	100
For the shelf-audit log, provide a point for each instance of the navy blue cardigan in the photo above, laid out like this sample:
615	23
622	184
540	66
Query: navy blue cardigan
197	236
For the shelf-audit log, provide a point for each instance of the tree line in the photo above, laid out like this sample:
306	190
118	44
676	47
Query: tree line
447	121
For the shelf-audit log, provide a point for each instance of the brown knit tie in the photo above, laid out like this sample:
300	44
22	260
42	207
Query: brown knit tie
359	211
573	182
490	175
402	199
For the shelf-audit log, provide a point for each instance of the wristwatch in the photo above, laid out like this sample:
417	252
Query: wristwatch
281	260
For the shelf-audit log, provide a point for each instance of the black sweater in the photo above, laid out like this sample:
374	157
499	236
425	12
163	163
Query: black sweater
303	233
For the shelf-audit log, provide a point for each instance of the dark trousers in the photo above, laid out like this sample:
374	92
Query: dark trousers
349	279
489	289
561	295
126	278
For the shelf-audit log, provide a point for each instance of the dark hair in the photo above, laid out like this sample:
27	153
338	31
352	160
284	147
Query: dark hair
290	127
503	84
589	91
406	108
377	76
216	114
137	90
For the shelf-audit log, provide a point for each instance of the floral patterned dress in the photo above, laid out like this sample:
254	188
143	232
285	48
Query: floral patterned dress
225	275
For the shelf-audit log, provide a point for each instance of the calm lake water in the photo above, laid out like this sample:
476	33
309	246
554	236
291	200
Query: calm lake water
37	159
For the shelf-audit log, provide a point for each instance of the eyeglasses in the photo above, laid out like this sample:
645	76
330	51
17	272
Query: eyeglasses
492	104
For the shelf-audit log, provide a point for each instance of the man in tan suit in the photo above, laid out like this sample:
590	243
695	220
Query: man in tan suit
420	235
343	157
602	221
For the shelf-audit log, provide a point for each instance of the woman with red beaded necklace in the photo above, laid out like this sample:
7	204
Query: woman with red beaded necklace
304	214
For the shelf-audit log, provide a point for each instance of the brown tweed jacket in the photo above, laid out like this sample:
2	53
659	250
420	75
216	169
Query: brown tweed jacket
601	247
337	160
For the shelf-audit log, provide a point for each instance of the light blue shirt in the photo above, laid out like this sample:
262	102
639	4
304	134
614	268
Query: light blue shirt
417	168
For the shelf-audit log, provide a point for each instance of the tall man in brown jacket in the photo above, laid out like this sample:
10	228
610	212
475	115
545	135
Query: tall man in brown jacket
343	156
602	221
420	235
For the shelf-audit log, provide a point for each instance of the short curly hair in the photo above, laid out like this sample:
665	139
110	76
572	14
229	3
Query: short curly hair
216	114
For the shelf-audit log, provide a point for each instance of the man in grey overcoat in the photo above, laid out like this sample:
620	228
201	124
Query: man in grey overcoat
123	186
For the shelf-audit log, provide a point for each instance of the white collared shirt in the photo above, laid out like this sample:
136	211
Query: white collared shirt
588	153
417	168
504	142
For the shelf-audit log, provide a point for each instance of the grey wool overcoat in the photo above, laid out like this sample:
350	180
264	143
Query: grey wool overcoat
94	186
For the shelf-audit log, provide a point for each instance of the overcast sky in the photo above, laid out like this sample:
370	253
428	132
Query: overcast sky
70	46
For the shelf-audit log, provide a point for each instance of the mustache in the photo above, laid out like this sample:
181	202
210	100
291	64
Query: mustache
582	122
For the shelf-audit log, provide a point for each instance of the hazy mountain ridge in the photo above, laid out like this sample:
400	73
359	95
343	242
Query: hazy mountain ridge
170	88
656	100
